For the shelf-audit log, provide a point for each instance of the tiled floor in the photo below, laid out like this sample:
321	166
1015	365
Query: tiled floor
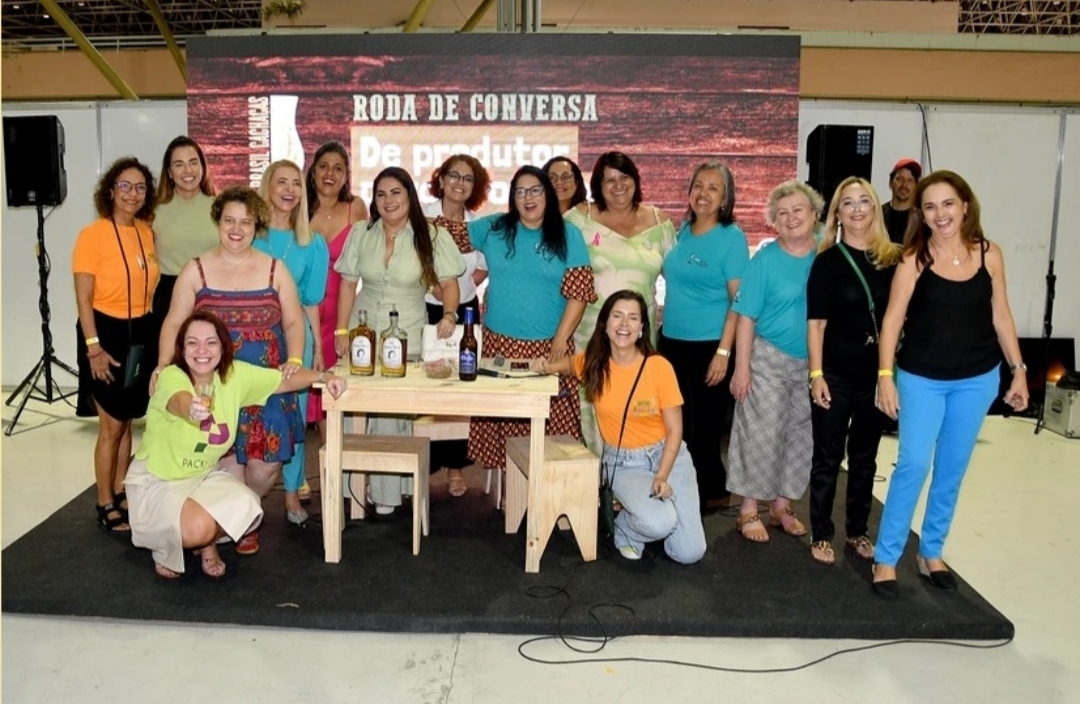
1012	538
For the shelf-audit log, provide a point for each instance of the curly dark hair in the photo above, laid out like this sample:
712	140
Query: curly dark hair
250	199
596	370
580	194
224	366
103	198
345	194
481	181
552	229
621	163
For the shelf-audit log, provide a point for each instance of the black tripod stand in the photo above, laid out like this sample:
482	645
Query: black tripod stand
1051	280
29	386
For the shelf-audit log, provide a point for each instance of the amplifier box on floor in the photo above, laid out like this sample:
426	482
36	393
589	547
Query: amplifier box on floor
1061	415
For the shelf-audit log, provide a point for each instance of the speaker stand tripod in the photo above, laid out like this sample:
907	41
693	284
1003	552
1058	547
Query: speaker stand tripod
30	387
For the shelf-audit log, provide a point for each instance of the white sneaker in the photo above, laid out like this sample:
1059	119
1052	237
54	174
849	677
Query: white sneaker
383	509
629	552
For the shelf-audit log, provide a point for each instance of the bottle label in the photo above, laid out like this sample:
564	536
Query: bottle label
361	351
392	356
467	362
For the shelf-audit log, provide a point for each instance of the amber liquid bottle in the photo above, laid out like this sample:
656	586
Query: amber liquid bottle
362	348
393	347
468	357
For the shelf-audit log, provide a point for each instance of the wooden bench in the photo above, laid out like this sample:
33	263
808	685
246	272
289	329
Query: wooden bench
568	485
385	454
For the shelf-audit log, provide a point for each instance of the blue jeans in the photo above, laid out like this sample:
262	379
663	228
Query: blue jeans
941	422
676	520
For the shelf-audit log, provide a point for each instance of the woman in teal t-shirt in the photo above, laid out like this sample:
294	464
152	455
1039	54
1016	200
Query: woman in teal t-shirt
771	439
180	497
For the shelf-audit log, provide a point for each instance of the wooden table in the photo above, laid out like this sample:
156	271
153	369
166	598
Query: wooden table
528	397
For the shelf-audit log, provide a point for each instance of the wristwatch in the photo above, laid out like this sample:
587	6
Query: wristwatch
452	314
1019	366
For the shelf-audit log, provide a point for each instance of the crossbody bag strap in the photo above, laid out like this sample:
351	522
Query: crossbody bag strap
866	286
127	278
626	411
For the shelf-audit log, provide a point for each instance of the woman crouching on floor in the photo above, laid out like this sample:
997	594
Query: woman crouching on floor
639	411
180	497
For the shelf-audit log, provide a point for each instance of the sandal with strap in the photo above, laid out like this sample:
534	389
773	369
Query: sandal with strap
756	533
821	551
249	544
456	482
304	493
862	546
120	498
164	572
792	526
112	525
212	564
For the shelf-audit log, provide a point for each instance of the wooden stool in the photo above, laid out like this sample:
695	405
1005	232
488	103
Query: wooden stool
568	485
437	428
385	454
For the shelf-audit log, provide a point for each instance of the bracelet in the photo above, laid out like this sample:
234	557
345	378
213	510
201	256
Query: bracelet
1018	367
295	360
723	352
341	331
95	354
92	341
884	372
450	314
815	373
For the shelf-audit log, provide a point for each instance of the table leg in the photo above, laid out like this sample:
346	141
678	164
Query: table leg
332	501
534	529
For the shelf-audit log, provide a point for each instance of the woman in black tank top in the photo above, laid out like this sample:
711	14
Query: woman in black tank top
948	295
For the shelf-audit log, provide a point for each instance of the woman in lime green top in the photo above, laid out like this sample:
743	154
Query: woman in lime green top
627	243
180	497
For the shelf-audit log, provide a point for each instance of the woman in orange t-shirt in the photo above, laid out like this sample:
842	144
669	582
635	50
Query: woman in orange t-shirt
645	458
116	270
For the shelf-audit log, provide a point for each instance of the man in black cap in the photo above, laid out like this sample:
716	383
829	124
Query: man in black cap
902	179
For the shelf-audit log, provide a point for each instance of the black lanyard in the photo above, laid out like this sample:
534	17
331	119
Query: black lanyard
145	266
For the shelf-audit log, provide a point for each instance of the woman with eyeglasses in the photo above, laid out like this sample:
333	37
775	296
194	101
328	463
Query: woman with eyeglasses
116	269
461	185
702	273
771	438
400	256
627	242
182	226
568	181
540	282
846	297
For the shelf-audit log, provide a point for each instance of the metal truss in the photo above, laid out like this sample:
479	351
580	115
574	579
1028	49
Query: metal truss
25	24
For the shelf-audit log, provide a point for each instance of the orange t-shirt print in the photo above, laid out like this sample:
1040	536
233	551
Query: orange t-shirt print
656	390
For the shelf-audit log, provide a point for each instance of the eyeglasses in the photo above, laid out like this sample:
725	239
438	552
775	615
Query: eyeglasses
534	191
126	186
454	177
863	203
567	177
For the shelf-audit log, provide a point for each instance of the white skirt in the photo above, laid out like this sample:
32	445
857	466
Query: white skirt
154	506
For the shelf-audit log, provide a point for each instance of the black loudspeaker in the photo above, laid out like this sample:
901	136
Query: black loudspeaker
34	160
835	152
1033	350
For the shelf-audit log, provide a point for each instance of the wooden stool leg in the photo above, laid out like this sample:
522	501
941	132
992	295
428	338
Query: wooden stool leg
581	510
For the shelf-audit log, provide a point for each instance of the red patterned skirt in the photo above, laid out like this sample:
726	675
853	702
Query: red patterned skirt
487	436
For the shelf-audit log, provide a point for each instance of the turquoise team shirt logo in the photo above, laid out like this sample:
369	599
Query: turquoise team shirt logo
216	434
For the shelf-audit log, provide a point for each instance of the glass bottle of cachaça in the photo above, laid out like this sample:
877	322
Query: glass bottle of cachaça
362	348
393	347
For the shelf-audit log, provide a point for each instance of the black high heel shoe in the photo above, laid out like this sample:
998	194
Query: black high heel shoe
942	579
885	588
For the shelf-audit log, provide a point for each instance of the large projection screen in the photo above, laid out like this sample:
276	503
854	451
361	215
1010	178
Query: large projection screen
668	101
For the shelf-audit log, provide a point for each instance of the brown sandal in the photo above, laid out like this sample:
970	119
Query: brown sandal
793	526
456	482
755	534
821	551
862	547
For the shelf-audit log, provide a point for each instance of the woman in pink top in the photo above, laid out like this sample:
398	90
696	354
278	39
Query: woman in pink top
332	210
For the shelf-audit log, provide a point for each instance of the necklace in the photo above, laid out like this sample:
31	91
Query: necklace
236	264
955	258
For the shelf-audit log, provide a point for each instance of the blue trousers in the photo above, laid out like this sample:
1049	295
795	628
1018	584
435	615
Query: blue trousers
676	520
941	422
293	472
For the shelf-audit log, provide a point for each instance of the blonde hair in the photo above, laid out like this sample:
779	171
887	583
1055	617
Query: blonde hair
298	218
882	253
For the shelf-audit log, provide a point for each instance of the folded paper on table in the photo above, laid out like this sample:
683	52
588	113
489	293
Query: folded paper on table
448	348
